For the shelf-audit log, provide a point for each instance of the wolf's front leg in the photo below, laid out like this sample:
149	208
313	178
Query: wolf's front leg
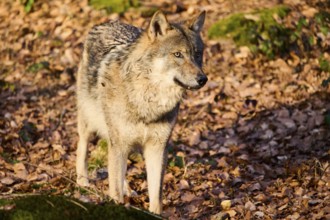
156	159
81	160
117	166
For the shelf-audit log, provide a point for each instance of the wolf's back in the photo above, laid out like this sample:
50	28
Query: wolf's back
112	38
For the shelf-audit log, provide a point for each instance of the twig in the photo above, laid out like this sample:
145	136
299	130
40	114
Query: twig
78	204
66	178
60	119
50	203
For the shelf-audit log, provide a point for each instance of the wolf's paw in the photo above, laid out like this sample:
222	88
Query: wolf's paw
83	181
155	208
128	191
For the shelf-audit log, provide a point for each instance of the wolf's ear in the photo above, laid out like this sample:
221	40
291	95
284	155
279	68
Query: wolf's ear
158	25
197	23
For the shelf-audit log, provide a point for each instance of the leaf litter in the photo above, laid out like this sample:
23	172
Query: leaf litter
254	143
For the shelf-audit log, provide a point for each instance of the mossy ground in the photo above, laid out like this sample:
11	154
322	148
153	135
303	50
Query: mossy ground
259	30
270	32
60	207
118	6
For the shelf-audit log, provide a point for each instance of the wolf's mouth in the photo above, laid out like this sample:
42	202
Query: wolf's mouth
178	82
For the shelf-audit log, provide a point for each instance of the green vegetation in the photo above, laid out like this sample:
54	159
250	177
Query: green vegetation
118	6
323	20
99	155
177	161
36	67
8	157
28	4
258	30
6	86
324	65
147	11
60	207
262	33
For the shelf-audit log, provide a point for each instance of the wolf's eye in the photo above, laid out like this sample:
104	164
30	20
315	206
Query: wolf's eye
178	55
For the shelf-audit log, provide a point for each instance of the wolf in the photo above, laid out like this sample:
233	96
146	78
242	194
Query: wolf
129	86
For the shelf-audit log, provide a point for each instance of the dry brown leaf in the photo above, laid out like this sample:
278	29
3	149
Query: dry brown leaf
225	204
20	171
195	138
250	206
309	12
188	197
183	184
283	207
7	181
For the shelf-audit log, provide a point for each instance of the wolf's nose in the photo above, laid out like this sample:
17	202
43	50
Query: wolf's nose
201	79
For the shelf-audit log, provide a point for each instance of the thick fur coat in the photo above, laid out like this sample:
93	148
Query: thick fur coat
130	84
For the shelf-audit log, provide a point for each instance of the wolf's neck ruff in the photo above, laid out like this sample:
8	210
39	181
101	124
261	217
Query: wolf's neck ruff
152	93
151	90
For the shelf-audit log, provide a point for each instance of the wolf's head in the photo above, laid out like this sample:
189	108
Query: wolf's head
176	51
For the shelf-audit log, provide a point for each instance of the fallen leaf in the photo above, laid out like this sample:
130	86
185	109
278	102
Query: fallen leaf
20	171
283	207
294	216
250	206
183	184
225	204
195	138
188	197
259	214
7	181
231	212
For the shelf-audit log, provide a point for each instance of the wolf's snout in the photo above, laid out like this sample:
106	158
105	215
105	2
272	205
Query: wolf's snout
201	79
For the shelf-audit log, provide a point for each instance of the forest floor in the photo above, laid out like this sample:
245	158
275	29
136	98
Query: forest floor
254	143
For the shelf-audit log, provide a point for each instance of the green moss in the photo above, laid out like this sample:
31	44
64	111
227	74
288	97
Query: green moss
239	24
324	65
258	30
6	86
322	18
147	11
4	202
59	207
34	68
118	6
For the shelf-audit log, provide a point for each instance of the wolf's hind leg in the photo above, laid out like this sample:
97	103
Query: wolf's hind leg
156	159
117	166
81	161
